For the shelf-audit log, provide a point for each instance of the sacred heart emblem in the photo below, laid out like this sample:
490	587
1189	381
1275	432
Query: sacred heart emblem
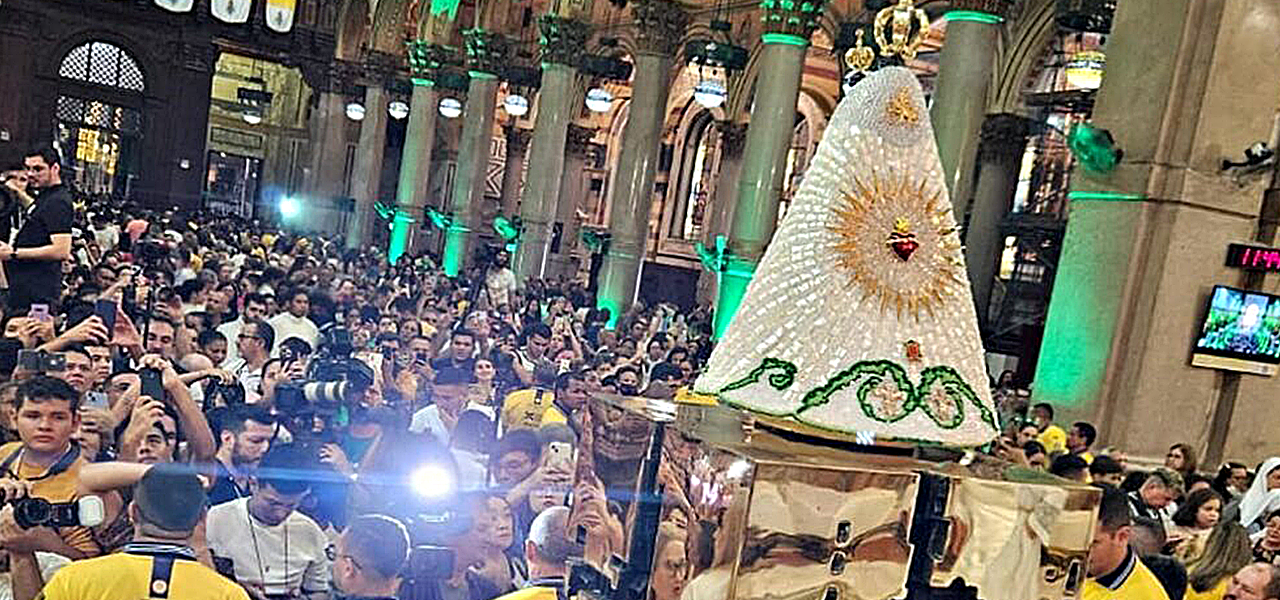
902	241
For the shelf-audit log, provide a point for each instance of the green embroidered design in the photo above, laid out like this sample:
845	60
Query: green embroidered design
780	380
884	391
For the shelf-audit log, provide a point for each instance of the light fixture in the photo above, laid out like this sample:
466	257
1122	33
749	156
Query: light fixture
710	93
1085	68
398	109
290	207
355	111
516	105
599	100
251	116
450	108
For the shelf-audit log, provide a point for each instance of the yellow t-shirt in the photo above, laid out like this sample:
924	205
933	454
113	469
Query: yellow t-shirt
1136	583
1054	439
1215	593
530	593
530	409
59	488
126	576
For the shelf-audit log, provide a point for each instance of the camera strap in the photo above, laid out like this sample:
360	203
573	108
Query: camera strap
58	468
162	559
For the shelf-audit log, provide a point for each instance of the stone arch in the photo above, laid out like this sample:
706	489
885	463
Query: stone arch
353	30
388	26
1030	35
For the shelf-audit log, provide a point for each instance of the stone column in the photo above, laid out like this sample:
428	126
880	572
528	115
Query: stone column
1145	243
486	53
572	197
413	187
328	136
660	25
1004	140
513	171
755	213
960	99
720	214
563	41
367	175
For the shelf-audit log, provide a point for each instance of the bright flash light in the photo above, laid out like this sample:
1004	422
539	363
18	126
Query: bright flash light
737	469
290	207
432	481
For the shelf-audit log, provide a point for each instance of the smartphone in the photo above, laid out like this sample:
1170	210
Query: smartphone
152	385
39	361
40	312
96	400
106	310
560	456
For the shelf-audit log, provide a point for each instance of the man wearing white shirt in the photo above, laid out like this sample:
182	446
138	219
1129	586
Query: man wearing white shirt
255	341
275	550
255	307
449	396
294	322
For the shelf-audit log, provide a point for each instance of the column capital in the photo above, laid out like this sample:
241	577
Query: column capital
426	59
797	18
517	138
659	25
487	51
577	140
563	40
998	8
1004	136
733	137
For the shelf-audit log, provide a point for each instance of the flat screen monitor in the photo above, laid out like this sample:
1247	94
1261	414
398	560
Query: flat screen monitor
1240	332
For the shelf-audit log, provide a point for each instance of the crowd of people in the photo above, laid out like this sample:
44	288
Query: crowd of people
248	401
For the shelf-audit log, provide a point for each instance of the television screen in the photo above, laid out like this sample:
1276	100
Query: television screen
1241	325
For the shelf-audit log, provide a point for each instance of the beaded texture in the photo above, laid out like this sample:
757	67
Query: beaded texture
859	317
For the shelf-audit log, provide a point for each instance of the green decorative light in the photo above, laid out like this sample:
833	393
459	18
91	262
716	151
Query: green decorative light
438	219
445	7
1105	196
733	287
1094	148
481	75
505	228
784	38
399	240
974	16
713	259
422	81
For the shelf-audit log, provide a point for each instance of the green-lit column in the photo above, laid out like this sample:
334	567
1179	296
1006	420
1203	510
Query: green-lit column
660	23
563	41
960	99
1004	141
486	52
425	60
720	214
513	170
367	176
764	157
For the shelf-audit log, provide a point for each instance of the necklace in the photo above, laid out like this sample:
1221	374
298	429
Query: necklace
262	573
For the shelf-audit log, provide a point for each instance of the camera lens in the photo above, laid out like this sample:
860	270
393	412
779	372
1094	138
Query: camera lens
32	512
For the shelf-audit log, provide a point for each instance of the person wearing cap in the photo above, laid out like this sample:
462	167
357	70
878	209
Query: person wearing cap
368	558
168	504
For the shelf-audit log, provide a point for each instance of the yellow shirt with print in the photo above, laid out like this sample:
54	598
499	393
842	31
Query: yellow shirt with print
1141	584
1054	440
1214	593
125	576
530	409
58	488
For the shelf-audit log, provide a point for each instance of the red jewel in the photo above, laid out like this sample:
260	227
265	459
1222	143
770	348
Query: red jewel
912	348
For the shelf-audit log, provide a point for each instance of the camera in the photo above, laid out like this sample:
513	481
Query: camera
34	512
230	394
39	361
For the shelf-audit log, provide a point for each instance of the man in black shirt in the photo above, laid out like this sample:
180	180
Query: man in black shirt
33	263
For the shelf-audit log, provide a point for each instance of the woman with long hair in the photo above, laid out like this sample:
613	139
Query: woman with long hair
1181	458
1226	551
1193	521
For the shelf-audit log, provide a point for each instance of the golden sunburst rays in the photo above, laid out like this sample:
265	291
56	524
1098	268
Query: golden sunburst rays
869	217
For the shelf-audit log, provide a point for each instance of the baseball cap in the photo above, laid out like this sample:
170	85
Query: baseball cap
170	497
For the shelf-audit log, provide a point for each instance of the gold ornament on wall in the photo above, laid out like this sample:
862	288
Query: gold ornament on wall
897	20
859	57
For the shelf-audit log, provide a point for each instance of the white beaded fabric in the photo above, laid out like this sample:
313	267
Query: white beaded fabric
863	289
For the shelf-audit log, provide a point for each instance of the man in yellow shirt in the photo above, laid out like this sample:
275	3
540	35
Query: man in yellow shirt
45	464
167	505
1115	573
1051	436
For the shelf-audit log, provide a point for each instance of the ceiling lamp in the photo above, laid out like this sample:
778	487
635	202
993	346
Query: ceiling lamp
710	93
355	111
1085	68
450	108
516	105
398	109
251	116
599	100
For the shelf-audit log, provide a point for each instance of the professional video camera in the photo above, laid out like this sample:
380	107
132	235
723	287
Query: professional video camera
34	512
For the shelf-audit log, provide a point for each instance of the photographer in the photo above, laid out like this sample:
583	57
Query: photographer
44	464
168	505
148	419
44	241
254	344
244	436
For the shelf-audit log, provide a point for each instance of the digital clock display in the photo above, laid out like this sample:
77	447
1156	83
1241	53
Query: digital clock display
1254	258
